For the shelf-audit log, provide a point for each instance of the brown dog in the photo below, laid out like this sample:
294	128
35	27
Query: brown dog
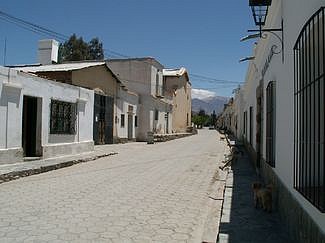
262	196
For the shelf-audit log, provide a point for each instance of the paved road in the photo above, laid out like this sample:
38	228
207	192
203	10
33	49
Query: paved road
146	193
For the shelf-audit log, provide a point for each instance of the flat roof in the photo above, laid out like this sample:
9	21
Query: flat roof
59	67
176	72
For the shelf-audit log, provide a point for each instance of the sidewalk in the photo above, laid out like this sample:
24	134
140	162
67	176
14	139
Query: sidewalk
240	220
14	171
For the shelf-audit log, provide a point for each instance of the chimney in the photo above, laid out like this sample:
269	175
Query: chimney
48	51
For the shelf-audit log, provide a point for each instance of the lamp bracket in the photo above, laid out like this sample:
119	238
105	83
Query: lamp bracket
263	34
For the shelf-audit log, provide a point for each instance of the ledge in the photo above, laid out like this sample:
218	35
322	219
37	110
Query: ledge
82	100
12	85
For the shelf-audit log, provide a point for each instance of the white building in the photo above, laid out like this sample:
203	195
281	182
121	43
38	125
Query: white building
42	118
281	114
145	77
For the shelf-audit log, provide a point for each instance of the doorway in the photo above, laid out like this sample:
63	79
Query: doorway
31	126
130	126
103	119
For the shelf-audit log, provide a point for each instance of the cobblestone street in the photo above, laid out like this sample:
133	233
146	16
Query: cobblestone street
145	193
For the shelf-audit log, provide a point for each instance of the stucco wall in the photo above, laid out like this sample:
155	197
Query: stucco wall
139	76
180	90
136	75
295	13
124	100
11	106
147	122
95	77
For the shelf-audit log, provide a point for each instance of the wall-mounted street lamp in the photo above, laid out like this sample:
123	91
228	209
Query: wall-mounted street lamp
260	11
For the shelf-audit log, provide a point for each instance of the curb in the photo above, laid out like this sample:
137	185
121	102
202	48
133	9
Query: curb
34	171
216	198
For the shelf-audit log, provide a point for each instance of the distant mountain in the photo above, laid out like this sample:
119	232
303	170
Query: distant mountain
209	104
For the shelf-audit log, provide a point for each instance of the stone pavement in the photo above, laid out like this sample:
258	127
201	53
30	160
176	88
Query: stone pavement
145	193
240	221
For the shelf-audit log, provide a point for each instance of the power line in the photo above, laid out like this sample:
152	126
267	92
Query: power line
201	77
214	82
31	27
193	76
47	32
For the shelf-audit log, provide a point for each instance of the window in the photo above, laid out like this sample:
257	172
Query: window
63	117
122	120
130	109
251	125
135	121
156	115
245	124
157	82
309	122
164	87
270	124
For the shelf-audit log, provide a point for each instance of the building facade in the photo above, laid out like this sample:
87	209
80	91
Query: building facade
177	86
280	113
126	118
97	76
144	76
42	118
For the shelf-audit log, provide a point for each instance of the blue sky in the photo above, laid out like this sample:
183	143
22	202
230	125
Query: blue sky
202	36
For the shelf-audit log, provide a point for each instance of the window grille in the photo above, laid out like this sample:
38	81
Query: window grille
251	125
309	92
270	124
63	117
245	123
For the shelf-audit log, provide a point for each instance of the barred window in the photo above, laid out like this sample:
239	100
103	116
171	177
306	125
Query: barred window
270	124
63	117
251	125
309	122
245	123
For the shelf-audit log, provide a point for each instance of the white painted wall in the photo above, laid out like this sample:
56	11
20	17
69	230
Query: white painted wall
155	72
124	100
295	13
11	106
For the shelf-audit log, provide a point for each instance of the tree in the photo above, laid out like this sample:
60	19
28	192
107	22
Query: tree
201	119
202	112
96	49
76	49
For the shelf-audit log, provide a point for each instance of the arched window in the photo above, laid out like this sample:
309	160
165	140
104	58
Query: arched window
309	92
270	124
